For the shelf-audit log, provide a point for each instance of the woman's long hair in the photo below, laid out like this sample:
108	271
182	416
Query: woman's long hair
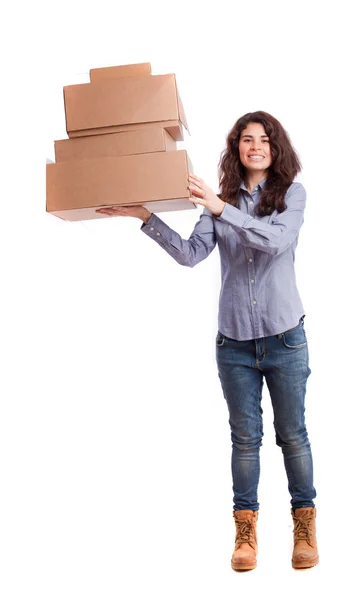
281	173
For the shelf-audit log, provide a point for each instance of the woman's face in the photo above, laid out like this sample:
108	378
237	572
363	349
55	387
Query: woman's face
254	148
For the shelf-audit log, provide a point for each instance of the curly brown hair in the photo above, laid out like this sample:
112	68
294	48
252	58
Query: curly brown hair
281	173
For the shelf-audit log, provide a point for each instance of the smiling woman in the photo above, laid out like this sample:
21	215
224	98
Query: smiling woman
255	222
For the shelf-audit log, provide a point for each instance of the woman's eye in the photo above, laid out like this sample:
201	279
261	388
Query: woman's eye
262	141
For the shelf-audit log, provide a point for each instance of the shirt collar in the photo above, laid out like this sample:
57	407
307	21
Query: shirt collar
261	184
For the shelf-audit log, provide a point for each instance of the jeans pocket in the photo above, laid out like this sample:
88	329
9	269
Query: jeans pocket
220	339
295	338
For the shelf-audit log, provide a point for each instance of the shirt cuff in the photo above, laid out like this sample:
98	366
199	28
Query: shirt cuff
155	228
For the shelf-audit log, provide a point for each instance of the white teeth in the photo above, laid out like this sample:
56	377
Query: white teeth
256	157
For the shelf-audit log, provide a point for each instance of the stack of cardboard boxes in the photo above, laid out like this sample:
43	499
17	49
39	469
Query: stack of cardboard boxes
123	127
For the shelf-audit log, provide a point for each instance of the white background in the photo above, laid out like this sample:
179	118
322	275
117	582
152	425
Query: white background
115	444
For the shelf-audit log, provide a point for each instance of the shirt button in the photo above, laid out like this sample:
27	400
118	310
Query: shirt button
250	260
152	228
251	202
252	281
158	233
254	301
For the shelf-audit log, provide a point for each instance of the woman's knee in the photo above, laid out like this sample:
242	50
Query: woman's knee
292	437
245	442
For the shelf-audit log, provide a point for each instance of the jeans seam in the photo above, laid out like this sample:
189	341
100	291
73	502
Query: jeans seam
287	345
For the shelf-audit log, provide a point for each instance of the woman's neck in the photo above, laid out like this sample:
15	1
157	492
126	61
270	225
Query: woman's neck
252	179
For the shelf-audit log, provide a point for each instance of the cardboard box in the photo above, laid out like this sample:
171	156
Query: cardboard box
139	141
120	71
174	128
158	181
112	103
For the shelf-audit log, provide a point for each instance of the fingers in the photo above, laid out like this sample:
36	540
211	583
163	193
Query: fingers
196	191
194	177
198	186
112	210
196	181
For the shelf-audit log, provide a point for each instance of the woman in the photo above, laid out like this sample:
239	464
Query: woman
255	221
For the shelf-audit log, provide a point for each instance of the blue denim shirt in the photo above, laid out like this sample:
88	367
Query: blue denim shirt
258	296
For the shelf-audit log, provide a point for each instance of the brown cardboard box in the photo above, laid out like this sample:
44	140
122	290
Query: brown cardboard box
120	71
139	141
158	181
174	128
105	106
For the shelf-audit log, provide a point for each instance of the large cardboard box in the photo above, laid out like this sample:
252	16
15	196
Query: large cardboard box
158	181
139	141
120	71
108	105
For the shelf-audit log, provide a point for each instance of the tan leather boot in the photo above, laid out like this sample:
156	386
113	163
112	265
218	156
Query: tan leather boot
305	553
246	544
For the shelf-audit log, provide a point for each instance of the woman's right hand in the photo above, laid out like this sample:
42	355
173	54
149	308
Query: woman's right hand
140	212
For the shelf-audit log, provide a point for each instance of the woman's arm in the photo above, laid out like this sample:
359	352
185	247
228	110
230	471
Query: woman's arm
189	252
274	237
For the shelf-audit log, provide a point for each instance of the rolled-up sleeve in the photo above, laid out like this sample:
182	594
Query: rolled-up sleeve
274	237
189	252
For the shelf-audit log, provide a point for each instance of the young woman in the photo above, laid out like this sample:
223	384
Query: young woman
255	221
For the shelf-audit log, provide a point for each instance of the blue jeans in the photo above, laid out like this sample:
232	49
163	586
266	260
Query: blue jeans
283	360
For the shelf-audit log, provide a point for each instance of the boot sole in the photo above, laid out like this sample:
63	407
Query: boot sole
305	564
242	567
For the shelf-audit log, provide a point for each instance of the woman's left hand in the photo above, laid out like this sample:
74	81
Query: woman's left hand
204	195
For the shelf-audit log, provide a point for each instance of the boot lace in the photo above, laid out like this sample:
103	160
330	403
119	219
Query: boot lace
303	528
244	533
